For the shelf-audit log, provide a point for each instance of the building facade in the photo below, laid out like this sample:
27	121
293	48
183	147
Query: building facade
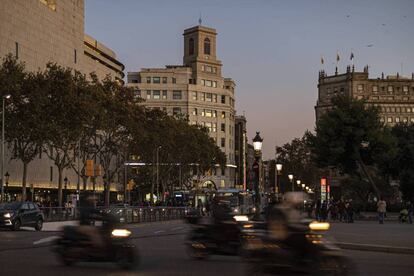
42	31
393	95
196	90
240	153
37	32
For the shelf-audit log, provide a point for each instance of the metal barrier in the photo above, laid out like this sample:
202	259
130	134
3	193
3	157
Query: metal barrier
125	214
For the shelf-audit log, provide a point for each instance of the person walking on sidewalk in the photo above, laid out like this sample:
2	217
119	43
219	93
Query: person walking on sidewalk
381	209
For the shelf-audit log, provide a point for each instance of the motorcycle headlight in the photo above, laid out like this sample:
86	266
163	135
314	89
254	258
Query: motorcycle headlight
241	218
319	226
8	215
121	233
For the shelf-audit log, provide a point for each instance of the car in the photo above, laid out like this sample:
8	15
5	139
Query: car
14	215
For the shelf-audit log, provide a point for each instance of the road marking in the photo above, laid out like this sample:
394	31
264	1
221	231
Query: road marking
176	228
46	240
160	231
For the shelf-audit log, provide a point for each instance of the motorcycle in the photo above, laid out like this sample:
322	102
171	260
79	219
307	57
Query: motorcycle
308	251
75	246
207	238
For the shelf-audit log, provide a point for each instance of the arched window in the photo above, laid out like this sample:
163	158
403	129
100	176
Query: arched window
191	47
207	46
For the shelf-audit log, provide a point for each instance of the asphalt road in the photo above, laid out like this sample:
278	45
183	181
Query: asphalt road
162	252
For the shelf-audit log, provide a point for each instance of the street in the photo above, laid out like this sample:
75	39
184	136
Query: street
162	252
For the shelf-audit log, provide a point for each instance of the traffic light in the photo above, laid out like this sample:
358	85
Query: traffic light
89	168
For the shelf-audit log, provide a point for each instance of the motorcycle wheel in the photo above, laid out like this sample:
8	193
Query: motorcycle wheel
127	258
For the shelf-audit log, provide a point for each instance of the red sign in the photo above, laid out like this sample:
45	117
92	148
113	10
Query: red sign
323	181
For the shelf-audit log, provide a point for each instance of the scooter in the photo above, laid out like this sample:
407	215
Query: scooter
308	252
74	246
207	239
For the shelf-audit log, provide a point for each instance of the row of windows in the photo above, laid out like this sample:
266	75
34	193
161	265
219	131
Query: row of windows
390	89
207	97
397	109
397	119
389	98
209	69
207	46
208	113
156	80
159	95
209	83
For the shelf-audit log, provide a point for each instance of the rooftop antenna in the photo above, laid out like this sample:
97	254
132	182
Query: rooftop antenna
199	20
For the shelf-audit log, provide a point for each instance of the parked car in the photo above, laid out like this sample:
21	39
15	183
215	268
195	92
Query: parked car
14	215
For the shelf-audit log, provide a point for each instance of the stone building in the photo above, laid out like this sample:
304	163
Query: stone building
41	31
393	95
196	90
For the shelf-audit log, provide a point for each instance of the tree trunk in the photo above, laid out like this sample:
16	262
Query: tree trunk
365	171
107	193
85	181
60	195
24	181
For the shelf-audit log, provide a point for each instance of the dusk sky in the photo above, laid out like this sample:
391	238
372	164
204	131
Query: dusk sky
272	49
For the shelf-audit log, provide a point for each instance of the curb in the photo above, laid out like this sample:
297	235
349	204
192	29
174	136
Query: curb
375	248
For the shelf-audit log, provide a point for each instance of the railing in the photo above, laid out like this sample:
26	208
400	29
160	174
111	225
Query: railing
125	214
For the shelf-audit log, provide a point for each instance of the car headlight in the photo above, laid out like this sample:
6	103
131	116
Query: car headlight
236	210
121	233
319	226
241	218
8	215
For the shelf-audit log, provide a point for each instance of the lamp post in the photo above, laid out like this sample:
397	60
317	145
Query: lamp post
290	176
65	180
6	177
4	98
257	145
298	182
303	186
277	175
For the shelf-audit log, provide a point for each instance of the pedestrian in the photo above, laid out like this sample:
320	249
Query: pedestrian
324	211
200	207
341	210
410	212
318	210
381	209
349	210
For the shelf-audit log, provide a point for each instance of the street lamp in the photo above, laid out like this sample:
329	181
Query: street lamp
303	185
290	176
278	170
257	145
298	182
5	97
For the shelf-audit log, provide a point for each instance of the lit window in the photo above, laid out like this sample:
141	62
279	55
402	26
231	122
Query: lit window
148	94
208	113
156	94
209	126
194	96
195	112
397	119
203	113
164	94
209	83
389	119
51	4
405	119
156	80
209	97
177	95
405	88
412	120
214	84
223	114
214	127
214	113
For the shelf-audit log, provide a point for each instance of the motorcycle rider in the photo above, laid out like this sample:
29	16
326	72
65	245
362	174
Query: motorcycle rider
285	223
224	228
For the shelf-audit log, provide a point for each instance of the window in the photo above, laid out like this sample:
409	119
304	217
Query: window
51	4
389	120
214	84
203	82
214	98
214	127
164	94
176	110
208	113
223	142
148	94
177	95
207	46
223	114
164	109
156	94
360	87
156	80
223	127
17	50
405	120
374	98
223	99
408	110
195	112
208	83
405	98
405	88
191	47
209	97
397	109
194	96
375	89
203	96
214	113
203	113
397	119
214	70
75	56
137	93
390	89
209	126
164	79
173	80
412	120
148	79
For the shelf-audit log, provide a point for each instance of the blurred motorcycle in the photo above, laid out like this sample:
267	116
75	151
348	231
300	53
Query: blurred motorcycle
77	245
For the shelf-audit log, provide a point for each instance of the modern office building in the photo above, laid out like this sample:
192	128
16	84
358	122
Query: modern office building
393	95
42	31
37	32
196	90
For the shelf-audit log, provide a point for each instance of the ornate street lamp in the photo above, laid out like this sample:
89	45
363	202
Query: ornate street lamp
277	174
298	182
4	98
257	145
290	176
257	142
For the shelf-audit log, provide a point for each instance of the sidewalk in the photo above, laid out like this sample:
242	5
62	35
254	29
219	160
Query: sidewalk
368	235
